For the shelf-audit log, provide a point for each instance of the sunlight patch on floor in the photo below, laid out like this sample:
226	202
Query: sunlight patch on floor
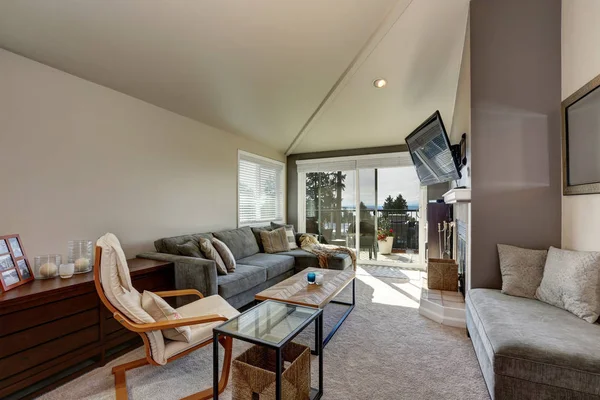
409	289
383	293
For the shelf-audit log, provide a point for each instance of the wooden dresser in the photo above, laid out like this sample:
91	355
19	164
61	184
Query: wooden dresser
52	331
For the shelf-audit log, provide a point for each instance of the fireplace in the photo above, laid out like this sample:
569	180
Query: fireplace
461	256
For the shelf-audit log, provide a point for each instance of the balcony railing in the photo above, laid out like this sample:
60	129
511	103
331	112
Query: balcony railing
338	226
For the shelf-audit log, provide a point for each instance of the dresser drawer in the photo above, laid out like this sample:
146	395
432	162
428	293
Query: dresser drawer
33	356
42	314
40	334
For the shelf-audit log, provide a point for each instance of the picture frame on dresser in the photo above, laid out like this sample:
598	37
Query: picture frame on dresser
15	269
581	140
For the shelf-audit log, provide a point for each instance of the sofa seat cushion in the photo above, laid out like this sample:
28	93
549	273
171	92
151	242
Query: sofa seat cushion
241	242
533	341
274	264
304	260
243	278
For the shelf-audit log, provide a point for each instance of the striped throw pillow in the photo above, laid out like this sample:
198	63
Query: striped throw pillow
275	241
290	233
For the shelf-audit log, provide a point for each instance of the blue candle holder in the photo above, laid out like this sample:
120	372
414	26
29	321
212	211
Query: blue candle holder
310	277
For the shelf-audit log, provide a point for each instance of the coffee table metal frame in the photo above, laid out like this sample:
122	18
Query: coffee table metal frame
337	326
341	320
317	317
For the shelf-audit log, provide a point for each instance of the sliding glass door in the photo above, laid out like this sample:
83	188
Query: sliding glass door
330	204
373	205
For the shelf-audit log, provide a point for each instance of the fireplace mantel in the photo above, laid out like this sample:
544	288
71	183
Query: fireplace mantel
454	196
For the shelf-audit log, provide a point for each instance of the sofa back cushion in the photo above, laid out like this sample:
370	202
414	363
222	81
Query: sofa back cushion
256	231
241	242
190	249
169	245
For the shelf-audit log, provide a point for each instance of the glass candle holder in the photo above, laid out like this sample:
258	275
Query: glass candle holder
319	278
66	270
310	277
46	266
81	255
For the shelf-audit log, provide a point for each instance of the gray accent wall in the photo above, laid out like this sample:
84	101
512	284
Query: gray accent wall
292	171
515	128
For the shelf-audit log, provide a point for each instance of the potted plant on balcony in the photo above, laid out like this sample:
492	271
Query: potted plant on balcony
385	240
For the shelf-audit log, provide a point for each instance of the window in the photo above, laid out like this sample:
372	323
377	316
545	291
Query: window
260	190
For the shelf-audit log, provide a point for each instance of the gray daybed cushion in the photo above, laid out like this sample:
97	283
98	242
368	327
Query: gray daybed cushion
532	341
274	264
572	282
522	270
245	277
241	241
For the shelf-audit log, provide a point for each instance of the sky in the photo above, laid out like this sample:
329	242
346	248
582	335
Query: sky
392	181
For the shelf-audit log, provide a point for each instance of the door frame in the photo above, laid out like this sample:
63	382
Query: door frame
364	162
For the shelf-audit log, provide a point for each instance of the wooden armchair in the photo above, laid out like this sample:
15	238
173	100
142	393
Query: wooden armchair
113	284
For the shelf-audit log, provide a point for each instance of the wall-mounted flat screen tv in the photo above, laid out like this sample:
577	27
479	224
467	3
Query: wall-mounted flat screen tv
429	148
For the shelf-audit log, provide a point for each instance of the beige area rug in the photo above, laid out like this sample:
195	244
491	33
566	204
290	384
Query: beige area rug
384	350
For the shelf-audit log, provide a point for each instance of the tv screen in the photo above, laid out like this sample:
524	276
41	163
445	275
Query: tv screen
430	150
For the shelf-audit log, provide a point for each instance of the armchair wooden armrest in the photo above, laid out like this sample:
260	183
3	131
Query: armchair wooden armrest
156	326
182	292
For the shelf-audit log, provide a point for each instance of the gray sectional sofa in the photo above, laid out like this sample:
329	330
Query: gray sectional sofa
530	350
255	270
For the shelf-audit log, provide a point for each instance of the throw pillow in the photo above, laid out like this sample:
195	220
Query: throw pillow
189	249
225	253
572	282
211	253
290	233
522	270
256	232
160	310
275	241
307	239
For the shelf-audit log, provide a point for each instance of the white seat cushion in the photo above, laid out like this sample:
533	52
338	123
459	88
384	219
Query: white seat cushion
209	305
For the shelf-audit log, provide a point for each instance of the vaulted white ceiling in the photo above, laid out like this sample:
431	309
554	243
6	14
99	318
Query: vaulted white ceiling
420	57
295	75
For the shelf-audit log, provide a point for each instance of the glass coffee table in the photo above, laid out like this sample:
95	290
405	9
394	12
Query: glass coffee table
296	290
272	324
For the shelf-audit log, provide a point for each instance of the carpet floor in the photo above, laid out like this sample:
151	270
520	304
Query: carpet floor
384	350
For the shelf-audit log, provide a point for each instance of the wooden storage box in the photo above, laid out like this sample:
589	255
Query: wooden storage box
253	373
442	274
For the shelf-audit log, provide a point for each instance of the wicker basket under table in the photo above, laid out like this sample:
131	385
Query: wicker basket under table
253	373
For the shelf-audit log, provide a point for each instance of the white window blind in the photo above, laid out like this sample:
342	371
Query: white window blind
260	190
355	162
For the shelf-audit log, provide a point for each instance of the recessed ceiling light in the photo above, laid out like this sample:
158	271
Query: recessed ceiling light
379	83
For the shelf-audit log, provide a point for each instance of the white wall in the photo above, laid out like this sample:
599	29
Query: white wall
580	63
78	160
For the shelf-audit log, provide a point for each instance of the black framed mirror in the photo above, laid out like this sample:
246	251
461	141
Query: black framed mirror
581	140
